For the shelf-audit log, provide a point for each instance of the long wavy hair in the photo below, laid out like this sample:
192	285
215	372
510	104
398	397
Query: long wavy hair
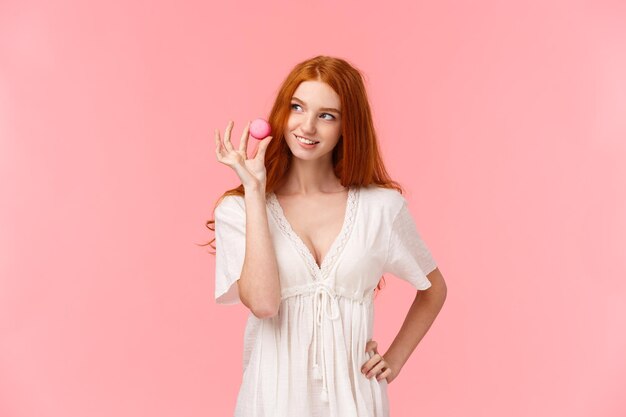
356	157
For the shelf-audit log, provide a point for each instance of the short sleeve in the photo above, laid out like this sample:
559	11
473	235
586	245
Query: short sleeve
408	257
230	246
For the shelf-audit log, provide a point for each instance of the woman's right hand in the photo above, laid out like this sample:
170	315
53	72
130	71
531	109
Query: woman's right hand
251	171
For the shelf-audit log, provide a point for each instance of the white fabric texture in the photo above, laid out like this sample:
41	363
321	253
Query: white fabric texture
306	360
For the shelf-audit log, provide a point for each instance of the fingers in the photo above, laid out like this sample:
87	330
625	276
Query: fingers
375	363
229	128
371	346
374	360
384	374
218	144
222	150
376	368
219	147
260	152
243	143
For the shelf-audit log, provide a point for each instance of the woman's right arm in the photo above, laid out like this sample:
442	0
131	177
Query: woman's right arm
259	284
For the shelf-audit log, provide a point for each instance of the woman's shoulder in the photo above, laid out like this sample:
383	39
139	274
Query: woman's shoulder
388	199
383	194
229	204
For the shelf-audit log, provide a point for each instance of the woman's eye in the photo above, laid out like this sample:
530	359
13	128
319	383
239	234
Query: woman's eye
327	114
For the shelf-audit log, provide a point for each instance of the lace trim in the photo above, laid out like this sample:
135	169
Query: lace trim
340	242
336	247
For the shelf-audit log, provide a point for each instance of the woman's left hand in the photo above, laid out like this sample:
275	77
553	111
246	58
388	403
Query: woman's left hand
377	365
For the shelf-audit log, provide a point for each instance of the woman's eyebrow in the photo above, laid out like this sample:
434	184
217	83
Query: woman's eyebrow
323	108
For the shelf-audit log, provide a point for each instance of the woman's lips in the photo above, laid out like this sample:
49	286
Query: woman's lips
304	137
306	145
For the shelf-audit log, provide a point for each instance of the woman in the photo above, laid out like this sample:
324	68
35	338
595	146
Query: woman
303	243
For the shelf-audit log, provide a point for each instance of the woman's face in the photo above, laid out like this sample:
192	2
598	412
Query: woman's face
315	114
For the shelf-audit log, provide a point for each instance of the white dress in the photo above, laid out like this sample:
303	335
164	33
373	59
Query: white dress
306	360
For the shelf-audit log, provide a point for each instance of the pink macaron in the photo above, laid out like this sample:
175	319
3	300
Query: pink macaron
260	129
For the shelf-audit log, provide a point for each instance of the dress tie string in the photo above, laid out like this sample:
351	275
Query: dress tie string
323	299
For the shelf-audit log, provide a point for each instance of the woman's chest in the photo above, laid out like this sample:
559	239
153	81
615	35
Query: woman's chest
353	260
317	222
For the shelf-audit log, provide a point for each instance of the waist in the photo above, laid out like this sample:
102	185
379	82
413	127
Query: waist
313	287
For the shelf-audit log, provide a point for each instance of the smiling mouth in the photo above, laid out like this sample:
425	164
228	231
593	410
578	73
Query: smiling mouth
305	140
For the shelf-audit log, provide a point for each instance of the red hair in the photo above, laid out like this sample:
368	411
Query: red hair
356	157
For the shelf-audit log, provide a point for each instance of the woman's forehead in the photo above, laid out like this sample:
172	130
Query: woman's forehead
317	93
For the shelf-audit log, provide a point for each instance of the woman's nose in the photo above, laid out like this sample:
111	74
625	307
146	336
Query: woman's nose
309	124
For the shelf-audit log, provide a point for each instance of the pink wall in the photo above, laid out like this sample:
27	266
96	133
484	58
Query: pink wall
505	122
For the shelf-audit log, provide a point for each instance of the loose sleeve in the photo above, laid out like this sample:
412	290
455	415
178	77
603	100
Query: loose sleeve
230	246
408	257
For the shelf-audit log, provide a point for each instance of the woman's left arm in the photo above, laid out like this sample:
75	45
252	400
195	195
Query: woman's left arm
421	315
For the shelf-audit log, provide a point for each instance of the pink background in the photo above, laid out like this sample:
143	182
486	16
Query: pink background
505	121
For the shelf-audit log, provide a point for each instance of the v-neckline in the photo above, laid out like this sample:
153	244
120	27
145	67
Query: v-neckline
337	244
